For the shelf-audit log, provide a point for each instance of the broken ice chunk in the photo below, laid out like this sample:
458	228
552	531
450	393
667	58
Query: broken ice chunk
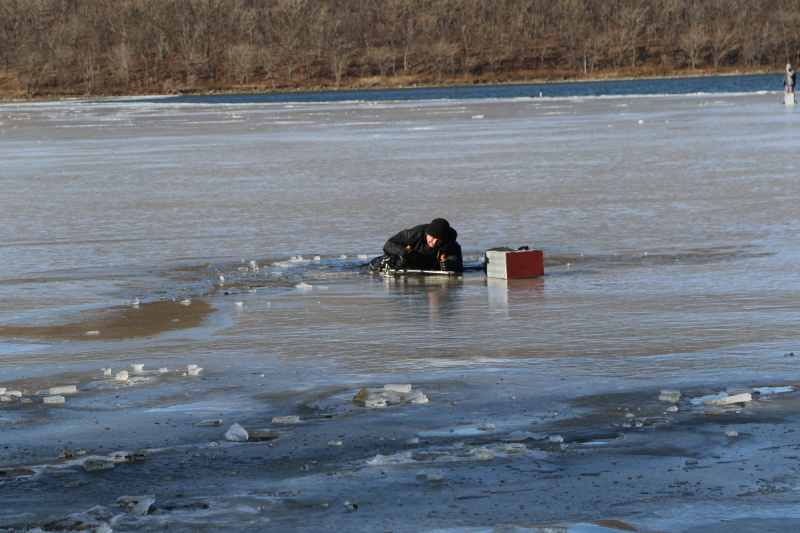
517	436
137	367
122	375
136	505
334	443
94	332
391	398
93	464
66	389
126	457
287	419
671	396
411	396
53	399
392	394
482	454
556	438
193	370
728	400
303	286
237	433
375	403
515	447
142	508
209	422
731	433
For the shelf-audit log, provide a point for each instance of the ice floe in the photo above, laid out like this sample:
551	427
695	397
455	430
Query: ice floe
236	433
137	505
391	394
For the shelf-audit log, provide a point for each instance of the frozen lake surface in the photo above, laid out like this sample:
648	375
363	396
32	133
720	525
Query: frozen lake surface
668	225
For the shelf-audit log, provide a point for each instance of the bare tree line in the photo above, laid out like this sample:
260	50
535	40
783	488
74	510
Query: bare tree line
138	46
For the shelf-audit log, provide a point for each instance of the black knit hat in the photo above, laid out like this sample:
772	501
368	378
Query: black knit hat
438	229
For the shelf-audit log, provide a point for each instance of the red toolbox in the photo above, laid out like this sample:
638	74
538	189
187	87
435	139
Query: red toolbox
514	264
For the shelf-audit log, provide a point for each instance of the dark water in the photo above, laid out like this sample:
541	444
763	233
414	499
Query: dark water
667	86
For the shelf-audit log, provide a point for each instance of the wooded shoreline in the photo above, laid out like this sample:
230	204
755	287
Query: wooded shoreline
61	48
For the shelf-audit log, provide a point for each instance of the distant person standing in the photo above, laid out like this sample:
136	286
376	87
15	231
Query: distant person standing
789	78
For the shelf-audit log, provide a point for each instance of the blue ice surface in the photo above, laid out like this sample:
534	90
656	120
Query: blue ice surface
10	347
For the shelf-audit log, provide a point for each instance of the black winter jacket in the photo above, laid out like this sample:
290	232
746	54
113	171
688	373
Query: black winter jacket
421	256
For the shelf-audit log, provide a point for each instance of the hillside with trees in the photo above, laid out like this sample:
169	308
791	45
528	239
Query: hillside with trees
116	47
